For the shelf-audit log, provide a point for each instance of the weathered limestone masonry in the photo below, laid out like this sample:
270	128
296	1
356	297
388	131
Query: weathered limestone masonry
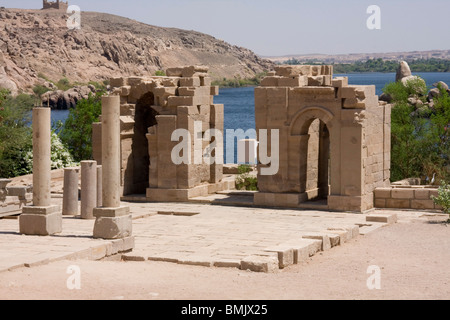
151	108
13	199
58	5
334	139
407	197
42	218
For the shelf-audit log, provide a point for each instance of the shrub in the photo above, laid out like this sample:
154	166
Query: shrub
160	73
420	138
244	181
60	156
15	133
443	198
64	84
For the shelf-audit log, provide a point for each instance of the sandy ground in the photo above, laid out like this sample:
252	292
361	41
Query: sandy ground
413	258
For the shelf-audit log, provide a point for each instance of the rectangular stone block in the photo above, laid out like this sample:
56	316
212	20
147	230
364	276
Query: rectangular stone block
383	218
422	204
190	82
285	255
398	193
214	91
398	203
298	81
267	264
380	203
174	72
340	82
40	224
382	193
316	81
326	242
118	82
422	194
347	92
174	101
270	82
113	227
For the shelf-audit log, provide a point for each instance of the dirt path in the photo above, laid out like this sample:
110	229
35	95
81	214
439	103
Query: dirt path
413	258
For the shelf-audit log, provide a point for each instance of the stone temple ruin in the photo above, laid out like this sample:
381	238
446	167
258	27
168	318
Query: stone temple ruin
151	109
58	5
334	146
334	139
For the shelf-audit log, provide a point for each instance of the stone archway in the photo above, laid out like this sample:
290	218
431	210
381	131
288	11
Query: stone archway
312	110
311	127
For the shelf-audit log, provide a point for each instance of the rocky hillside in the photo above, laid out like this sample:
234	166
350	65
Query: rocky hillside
36	44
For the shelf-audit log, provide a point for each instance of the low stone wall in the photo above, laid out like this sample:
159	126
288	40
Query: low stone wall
406	197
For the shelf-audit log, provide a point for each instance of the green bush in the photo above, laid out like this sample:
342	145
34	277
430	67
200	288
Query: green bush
443	198
160	73
15	133
64	84
76	133
244	181
420	138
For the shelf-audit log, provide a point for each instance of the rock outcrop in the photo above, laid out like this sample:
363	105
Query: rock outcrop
420	100
63	100
37	45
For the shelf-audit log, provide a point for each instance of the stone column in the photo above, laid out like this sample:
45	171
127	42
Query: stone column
42	218
70	197
99	186
88	189
112	220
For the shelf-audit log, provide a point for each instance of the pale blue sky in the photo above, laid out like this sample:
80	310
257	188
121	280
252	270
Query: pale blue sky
286	27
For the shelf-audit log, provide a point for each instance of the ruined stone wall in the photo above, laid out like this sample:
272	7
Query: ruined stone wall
58	5
152	108
406	197
293	98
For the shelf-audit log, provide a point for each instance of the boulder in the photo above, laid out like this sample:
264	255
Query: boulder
63	100
419	88
385	97
441	85
403	71
434	93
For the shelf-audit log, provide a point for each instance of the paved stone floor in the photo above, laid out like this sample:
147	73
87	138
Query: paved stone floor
199	234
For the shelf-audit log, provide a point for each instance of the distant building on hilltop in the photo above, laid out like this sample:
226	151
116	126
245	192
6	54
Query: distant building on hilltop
58	5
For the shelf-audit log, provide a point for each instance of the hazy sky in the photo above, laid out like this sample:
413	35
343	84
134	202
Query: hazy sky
286	27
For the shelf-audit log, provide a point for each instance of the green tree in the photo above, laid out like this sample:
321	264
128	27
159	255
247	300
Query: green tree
76	133
15	133
420	136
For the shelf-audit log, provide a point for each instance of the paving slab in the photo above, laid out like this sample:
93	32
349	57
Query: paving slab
216	235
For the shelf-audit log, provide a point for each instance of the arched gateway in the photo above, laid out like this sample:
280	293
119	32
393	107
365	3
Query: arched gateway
334	139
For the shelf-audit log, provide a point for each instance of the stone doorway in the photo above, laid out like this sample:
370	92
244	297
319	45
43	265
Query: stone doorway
145	117
317	175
